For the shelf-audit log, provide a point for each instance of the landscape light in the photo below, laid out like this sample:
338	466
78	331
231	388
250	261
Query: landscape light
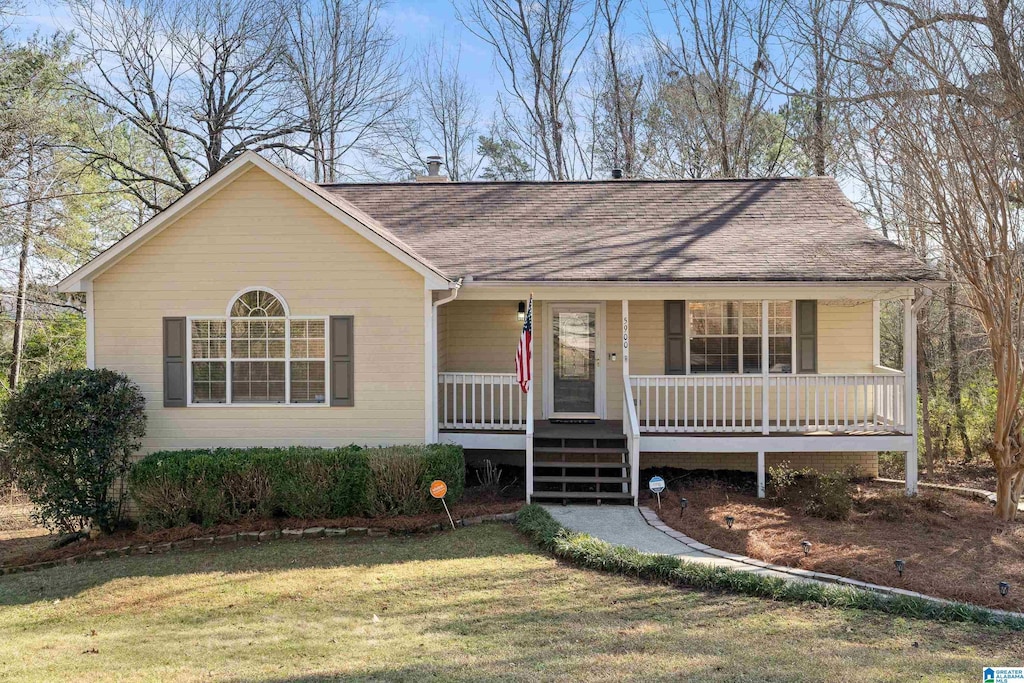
729	520
1004	588
806	545
900	565
683	503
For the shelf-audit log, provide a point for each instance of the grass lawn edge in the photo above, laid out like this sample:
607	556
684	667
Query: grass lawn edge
586	551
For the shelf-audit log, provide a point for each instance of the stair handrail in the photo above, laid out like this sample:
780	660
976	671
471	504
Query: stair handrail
631	428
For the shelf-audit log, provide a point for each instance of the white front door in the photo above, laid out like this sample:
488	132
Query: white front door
574	371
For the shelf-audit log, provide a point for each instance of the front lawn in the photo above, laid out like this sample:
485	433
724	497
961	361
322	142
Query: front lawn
952	545
479	603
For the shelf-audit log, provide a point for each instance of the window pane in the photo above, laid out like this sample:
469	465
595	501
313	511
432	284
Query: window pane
257	304
780	354
208	382
751	354
307	384
257	382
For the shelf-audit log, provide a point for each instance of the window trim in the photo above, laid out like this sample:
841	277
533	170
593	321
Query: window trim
688	336
288	317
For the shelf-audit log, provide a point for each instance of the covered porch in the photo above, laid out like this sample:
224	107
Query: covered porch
711	370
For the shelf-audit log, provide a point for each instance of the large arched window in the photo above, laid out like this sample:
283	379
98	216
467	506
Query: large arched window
258	353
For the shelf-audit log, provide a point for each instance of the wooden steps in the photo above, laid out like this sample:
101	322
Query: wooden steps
584	463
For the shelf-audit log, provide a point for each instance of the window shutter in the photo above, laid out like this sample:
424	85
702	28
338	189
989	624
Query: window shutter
806	336
175	359
675	338
342	362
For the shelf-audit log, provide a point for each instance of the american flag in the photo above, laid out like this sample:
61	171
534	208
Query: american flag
524	352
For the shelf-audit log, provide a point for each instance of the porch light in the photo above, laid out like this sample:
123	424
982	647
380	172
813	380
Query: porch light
729	520
900	566
806	545
683	503
521	314
1004	588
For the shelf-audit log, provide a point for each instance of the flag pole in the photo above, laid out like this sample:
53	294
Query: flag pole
529	413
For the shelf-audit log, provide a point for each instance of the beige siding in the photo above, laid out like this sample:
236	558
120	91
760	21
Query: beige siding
256	232
844	337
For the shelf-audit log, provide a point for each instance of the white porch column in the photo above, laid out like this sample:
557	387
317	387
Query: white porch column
430	365
910	391
529	413
760	474
764	377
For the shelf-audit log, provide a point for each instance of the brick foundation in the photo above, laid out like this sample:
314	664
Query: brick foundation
866	463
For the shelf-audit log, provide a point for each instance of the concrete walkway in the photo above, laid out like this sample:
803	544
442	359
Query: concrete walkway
624	525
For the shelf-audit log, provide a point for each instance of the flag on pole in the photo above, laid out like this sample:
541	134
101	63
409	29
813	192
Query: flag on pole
524	352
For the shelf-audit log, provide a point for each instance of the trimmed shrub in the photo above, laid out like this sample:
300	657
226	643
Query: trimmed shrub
72	434
825	495
174	488
401	479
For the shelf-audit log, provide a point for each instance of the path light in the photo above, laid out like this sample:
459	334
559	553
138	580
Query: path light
729	520
683	503
900	565
1004	588
806	545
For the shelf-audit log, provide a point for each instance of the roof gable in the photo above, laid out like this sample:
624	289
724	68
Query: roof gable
337	207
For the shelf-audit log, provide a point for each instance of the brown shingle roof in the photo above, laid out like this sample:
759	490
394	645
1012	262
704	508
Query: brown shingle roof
631	230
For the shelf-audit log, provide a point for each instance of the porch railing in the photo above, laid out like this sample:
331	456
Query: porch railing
480	400
868	403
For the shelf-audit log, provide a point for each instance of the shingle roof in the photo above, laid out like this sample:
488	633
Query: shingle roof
633	230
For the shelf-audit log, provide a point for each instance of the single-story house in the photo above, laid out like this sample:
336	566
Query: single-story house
688	323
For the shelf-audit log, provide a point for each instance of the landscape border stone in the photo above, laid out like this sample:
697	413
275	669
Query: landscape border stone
242	537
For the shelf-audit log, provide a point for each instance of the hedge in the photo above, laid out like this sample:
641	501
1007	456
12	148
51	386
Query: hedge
586	551
174	488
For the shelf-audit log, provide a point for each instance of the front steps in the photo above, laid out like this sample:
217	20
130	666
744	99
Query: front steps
581	466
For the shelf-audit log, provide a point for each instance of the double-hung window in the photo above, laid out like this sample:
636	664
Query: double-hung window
725	337
258	354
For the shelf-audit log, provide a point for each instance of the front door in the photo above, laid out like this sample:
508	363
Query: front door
575	373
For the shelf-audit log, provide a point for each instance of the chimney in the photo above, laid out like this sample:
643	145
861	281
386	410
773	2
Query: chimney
434	163
617	174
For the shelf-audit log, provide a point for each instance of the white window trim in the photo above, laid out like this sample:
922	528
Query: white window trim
287	362
740	336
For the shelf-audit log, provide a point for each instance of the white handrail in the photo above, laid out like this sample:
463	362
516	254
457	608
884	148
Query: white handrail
631	428
480	400
853	402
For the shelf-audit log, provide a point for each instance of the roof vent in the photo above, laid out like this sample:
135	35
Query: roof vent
617	173
434	163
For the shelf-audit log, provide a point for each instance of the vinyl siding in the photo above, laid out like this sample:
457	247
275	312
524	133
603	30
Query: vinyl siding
258	233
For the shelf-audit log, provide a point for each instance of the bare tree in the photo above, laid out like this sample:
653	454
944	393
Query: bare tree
946	81
717	64
620	89
539	45
198	82
343	65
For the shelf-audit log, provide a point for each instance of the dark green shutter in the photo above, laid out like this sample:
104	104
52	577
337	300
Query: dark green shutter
675	338
806	336
342	361
175	359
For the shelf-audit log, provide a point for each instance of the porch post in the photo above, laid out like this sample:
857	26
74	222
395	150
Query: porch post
764	379
760	474
627	396
910	392
529	414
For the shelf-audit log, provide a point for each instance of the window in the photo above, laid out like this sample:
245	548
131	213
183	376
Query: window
258	354
725	336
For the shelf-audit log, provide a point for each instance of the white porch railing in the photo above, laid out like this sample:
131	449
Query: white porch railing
873	402
480	400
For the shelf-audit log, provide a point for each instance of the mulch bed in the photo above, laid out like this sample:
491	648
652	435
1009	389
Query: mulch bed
953	546
474	505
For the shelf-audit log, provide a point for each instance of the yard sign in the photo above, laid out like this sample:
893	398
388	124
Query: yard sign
657	485
438	489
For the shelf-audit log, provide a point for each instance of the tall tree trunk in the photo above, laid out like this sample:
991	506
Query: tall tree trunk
955	387
924	393
19	304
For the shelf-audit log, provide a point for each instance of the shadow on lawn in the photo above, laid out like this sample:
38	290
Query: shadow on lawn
280	555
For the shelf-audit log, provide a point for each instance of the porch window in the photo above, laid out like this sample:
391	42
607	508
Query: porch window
725	337
260	352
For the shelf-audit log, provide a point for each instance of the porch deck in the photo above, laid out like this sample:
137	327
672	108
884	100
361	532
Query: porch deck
610	429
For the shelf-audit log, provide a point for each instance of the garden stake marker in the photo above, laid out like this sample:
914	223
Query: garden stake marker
657	485
437	489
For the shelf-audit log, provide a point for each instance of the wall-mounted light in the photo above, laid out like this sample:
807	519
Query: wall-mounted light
521	314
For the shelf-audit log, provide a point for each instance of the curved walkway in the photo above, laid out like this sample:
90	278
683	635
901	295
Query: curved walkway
641	528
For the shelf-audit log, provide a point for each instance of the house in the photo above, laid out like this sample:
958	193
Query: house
710	324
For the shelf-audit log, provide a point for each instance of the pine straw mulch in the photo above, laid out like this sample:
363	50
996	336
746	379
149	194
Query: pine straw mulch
476	506
953	546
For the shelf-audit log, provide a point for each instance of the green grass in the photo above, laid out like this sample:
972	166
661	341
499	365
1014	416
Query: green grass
480	603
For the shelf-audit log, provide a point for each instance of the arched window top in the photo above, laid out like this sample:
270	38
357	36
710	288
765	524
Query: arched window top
258	303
